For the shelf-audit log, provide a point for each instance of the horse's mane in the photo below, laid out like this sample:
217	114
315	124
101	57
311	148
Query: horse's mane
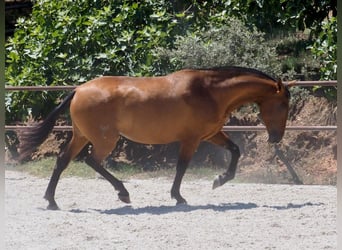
236	71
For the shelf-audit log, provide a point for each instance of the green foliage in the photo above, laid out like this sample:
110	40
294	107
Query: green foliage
325	50
286	15
297	61
230	44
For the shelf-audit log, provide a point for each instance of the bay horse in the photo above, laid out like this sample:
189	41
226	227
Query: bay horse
188	106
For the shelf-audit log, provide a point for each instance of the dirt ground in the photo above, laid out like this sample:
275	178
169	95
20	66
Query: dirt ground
234	216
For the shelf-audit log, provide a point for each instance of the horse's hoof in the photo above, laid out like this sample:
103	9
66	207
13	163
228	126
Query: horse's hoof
222	179
217	182
181	202
52	207
125	198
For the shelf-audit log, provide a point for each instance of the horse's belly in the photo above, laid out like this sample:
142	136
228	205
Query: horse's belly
161	122
147	139
149	133
154	128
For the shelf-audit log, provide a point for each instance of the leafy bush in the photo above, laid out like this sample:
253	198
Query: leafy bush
229	44
325	49
286	15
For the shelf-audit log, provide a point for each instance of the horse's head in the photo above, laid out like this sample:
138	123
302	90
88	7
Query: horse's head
274	111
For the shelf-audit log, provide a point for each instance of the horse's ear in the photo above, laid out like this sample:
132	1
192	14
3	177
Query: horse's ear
280	86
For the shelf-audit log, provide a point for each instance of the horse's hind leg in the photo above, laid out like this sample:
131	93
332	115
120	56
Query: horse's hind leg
63	159
99	152
222	140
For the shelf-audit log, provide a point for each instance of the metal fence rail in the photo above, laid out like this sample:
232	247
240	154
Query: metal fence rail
61	88
39	88
225	128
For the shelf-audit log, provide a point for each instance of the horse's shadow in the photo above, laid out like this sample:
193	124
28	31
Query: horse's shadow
293	206
159	210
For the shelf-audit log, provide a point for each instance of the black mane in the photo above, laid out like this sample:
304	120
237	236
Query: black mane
236	71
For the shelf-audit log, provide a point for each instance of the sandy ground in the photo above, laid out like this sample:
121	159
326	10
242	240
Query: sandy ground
235	216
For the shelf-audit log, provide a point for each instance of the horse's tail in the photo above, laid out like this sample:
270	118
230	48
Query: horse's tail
31	138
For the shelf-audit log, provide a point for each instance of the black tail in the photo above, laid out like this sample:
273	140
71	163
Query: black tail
31	138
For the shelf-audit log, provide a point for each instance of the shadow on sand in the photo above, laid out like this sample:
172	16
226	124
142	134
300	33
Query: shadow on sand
158	210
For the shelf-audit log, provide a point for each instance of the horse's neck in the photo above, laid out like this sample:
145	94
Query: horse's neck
238	91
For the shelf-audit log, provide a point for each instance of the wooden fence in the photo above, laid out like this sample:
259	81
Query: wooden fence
225	128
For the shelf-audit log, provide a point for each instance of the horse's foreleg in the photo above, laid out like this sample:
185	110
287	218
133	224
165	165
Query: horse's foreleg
186	151
222	140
